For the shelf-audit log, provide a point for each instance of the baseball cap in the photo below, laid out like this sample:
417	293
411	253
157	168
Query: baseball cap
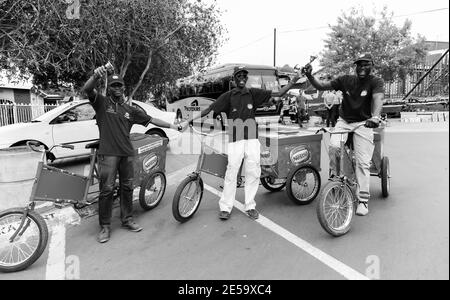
240	69
365	57
115	79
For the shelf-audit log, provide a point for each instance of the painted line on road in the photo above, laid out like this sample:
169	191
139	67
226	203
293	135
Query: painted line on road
326	259
57	222
56	262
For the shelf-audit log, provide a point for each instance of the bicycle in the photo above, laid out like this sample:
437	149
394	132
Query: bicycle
24	232
296	169
338	200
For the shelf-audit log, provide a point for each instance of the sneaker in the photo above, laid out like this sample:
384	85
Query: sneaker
224	215
104	235
132	226
363	209
253	213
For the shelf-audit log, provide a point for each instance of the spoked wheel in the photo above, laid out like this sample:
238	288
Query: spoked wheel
336	208
303	185
273	184
187	198
385	177
28	245
152	190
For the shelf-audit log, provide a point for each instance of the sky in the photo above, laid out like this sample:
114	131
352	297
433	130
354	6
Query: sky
302	26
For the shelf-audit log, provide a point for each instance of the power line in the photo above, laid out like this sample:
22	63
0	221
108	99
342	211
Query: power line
400	16
326	27
248	44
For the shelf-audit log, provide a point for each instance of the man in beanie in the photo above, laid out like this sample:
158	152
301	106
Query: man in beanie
115	119
240	105
362	103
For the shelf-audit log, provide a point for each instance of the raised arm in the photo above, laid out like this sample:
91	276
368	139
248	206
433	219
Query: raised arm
89	86
164	124
318	84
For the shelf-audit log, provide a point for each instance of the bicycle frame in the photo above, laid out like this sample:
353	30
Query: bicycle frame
343	155
213	163
60	186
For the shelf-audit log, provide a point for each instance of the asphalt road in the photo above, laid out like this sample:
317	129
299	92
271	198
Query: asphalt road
404	237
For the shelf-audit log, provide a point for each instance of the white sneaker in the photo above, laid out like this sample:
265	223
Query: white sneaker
363	209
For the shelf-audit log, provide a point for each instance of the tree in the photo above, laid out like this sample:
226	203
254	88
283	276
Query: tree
148	42
394	50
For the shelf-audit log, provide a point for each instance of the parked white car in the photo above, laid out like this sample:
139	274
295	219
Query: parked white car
74	123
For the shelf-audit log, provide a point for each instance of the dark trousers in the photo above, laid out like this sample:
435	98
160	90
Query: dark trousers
108	167
333	115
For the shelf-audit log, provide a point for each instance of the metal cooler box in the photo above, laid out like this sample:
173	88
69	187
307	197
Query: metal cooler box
149	155
282	152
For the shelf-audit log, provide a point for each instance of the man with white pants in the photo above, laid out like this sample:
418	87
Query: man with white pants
362	103
240	105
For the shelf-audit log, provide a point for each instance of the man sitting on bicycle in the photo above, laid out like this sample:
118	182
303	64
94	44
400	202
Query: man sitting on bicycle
362	103
240	105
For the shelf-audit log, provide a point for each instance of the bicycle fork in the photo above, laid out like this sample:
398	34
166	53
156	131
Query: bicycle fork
23	227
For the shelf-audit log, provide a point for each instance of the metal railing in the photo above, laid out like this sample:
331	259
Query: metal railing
11	113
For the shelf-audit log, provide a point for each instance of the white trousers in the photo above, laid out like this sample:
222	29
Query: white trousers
364	147
249	150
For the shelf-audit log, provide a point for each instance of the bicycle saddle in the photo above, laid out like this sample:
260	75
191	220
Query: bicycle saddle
94	145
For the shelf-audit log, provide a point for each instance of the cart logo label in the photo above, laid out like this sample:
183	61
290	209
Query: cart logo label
192	108
149	163
300	155
149	147
265	154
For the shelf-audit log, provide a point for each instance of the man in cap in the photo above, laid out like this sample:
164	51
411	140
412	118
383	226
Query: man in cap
240	105
115	119
362	103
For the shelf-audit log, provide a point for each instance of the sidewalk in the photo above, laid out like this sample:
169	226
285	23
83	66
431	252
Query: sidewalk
398	126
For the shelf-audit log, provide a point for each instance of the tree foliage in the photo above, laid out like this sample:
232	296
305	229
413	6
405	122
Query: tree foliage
394	50
148	42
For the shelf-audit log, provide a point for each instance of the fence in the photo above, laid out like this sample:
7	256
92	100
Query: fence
434	84
20	113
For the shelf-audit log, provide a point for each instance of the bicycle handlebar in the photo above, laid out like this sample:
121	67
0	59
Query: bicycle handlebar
324	129
33	144
205	134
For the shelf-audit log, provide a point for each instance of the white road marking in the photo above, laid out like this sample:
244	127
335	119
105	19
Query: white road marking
56	268
326	259
57	221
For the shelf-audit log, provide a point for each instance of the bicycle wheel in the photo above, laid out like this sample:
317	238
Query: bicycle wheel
385	177
303	185
152	190
272	185
28	246
187	198
335	208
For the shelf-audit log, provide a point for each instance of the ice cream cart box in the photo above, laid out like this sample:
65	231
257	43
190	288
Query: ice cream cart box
149	154
283	151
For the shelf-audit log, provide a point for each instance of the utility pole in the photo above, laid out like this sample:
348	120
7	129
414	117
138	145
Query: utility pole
274	47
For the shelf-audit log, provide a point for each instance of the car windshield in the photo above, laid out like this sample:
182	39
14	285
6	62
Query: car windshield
263	79
51	113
